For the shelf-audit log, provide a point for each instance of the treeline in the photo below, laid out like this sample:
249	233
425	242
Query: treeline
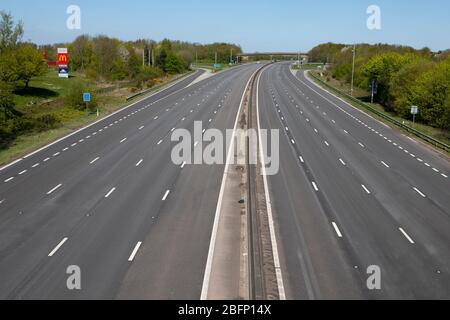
134	64
405	77
102	57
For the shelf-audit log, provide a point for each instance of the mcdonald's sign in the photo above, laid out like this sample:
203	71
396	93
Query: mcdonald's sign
63	63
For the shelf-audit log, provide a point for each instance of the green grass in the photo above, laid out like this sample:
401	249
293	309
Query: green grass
46	88
436	133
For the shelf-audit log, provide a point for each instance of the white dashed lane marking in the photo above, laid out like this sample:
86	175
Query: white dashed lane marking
135	250
365	189
336	229
58	247
110	192
164	198
420	192
406	235
54	189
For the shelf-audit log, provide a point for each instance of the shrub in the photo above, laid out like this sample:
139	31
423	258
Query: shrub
46	122
74	97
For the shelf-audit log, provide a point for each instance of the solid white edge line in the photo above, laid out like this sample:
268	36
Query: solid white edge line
58	247
406	235
135	250
336	228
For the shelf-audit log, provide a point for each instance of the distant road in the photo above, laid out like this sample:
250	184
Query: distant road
353	193
109	200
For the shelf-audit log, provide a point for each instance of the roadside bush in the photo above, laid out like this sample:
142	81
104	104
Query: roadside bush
74	97
46	122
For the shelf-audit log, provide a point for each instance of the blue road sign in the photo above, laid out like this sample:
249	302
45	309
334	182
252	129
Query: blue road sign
373	86
63	71
86	97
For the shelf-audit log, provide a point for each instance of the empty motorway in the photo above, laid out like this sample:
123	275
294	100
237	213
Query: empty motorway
109	200
353	193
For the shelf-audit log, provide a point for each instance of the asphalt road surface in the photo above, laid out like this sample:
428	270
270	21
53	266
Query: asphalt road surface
109	200
353	193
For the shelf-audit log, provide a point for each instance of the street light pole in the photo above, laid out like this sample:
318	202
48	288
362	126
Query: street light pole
353	69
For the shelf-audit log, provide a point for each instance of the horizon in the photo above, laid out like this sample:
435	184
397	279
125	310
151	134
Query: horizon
335	22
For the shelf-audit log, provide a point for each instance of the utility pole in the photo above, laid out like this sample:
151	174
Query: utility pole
216	57
231	56
153	56
353	69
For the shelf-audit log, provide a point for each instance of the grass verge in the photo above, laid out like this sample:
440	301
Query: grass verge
71	119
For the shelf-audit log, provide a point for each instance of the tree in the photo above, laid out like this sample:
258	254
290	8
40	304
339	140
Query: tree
10	34
161	60
28	64
382	68
133	63
173	64
6	101
81	52
105	54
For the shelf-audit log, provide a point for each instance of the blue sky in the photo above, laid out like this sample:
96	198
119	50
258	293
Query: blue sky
264	25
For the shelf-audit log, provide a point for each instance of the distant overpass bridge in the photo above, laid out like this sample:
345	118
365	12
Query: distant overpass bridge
246	56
